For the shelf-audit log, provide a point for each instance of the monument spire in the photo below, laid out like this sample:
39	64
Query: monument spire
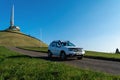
12	26
12	17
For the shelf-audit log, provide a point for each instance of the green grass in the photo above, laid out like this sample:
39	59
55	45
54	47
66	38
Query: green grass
14	66
19	39
102	54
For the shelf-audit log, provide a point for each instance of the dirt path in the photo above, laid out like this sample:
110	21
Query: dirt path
111	67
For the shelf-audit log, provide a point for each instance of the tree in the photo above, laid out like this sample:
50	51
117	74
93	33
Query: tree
117	51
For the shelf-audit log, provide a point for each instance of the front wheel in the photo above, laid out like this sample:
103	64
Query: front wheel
63	56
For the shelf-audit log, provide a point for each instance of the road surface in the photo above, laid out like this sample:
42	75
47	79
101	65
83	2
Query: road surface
110	67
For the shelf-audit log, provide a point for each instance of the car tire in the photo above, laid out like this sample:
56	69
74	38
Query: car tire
49	54
63	56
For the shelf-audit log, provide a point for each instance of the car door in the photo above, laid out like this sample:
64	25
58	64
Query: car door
53	48
58	48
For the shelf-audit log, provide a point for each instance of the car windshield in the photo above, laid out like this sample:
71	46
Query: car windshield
67	43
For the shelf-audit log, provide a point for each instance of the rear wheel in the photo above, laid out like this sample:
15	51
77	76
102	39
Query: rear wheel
63	56
49	54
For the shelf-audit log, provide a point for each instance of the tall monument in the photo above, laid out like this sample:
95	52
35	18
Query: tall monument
12	26
12	17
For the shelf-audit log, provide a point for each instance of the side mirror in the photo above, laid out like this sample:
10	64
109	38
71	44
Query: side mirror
58	46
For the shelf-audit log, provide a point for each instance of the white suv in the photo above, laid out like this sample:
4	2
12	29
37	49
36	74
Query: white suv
65	49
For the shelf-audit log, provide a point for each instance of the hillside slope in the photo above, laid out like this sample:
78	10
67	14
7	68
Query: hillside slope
19	39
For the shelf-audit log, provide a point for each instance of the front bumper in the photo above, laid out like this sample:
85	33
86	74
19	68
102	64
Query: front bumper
75	54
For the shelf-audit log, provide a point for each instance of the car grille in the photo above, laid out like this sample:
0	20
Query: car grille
77	49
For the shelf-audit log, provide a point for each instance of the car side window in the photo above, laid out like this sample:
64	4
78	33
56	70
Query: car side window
53	44
63	44
58	44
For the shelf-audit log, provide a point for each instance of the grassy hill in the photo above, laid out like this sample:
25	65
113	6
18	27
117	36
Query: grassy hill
19	39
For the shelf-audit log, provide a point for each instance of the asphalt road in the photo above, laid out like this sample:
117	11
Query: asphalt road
110	67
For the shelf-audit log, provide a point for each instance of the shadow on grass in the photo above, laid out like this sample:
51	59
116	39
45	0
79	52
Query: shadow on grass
55	59
1	60
19	56
41	57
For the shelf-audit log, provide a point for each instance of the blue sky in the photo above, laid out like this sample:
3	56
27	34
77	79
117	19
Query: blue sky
91	24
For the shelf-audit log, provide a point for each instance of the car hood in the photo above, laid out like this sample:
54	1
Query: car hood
72	47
